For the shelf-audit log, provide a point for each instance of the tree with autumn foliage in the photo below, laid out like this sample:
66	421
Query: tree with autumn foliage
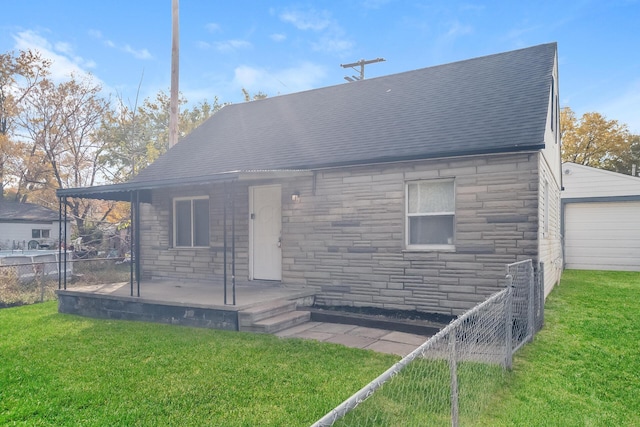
595	141
59	125
137	135
625	164
64	135
19	74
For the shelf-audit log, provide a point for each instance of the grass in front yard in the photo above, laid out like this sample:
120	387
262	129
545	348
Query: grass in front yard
583	369
66	370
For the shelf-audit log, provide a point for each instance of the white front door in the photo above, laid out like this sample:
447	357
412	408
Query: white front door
265	226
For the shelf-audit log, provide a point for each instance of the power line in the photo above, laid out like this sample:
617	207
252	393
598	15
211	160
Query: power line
361	63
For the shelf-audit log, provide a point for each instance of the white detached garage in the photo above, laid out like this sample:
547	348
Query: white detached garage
601	219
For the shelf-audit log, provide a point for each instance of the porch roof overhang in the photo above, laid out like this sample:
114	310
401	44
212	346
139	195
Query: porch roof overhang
123	192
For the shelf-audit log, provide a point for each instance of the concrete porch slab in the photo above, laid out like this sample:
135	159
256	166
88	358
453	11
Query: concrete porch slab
200	304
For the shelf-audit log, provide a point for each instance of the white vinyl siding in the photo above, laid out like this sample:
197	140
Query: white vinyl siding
191	222
430	212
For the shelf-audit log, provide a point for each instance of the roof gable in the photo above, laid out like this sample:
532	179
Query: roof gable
496	103
585	181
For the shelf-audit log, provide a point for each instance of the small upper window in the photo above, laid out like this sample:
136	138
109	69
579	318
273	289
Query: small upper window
553	103
545	211
191	222
430	214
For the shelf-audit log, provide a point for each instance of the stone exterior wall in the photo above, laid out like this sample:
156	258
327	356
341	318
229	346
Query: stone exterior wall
345	237
161	260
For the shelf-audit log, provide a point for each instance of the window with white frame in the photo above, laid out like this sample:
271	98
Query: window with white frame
191	221
430	214
37	233
545	211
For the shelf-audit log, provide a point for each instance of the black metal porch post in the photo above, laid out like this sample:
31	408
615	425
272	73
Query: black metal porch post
138	249
224	238
233	241
66	251
60	242
132	241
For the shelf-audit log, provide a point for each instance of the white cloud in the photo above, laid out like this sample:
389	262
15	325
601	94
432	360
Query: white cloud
625	108
307	20
456	29
63	62
294	79
374	4
518	36
226	46
278	37
212	27
332	37
444	42
247	77
472	7
136	53
63	48
332	44
139	54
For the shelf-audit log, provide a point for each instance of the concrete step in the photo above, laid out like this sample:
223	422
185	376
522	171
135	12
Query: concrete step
254	314
279	322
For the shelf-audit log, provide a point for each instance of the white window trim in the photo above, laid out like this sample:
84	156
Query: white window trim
181	199
546	200
40	232
422	247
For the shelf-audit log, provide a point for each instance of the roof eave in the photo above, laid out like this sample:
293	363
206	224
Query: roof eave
427	156
123	191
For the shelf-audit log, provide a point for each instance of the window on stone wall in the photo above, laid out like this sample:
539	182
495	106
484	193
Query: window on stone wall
191	222
430	214
39	233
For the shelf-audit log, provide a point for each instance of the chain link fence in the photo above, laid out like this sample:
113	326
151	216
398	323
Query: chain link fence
27	277
453	376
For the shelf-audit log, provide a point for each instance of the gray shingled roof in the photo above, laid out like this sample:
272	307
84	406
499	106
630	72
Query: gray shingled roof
25	212
495	103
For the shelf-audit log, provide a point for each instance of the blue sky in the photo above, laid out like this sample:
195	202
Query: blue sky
280	47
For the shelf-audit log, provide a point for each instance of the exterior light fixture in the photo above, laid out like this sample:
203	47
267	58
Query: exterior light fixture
295	197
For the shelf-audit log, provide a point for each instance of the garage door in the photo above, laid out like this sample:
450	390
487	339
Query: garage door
602	236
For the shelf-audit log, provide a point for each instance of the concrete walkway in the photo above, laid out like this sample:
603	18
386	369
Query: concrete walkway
380	340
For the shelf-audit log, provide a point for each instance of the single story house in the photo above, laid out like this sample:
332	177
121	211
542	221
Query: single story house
403	192
600	219
29	226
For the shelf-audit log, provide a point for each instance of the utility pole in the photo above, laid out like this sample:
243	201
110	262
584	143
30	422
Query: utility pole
175	73
361	63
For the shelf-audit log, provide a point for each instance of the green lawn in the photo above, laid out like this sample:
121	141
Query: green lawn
61	370
583	369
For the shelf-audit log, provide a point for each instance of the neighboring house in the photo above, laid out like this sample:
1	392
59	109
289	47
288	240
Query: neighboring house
409	191
28	226
601	219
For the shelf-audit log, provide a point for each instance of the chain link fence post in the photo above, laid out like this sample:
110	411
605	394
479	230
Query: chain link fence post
453	369
531	304
508	324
